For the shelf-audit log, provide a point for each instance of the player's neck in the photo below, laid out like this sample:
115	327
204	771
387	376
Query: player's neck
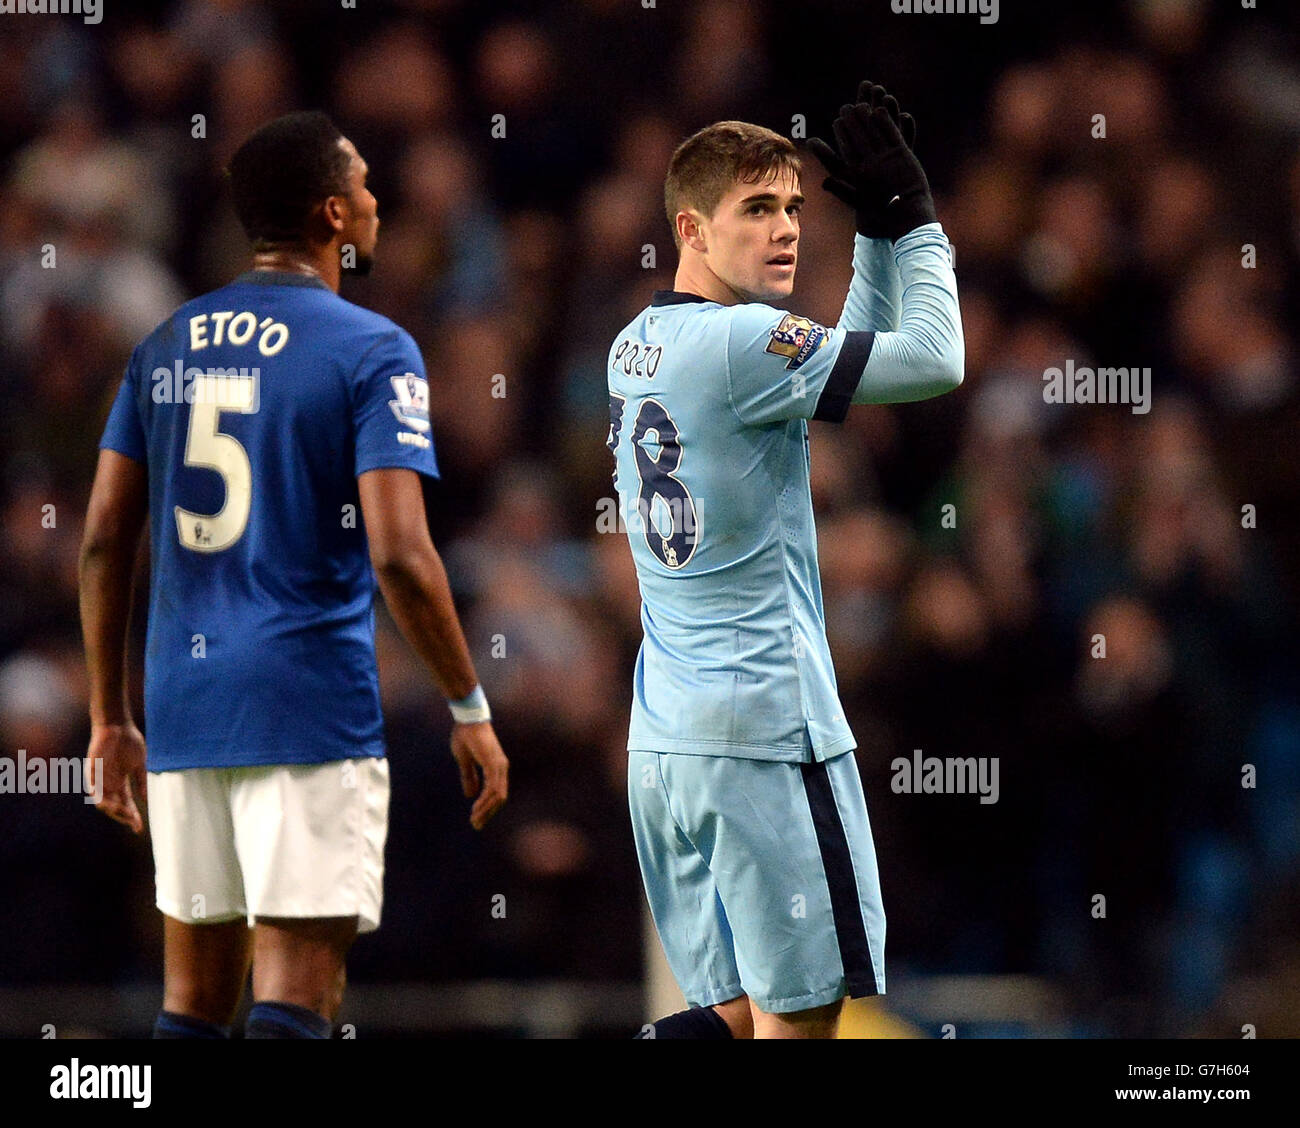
324	265
700	280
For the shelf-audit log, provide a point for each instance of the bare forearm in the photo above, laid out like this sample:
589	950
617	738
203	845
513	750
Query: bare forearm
419	599
105	590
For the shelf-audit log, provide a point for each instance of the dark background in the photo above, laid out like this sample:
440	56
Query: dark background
523	256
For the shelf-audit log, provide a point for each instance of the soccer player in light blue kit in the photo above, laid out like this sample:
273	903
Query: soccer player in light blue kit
254	426
748	812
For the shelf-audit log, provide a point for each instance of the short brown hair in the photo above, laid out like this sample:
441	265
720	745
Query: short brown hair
708	163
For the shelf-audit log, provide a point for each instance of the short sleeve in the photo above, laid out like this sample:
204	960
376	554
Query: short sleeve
781	366
390	408
124	431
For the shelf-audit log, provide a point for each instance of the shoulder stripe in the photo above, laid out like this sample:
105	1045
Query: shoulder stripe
837	394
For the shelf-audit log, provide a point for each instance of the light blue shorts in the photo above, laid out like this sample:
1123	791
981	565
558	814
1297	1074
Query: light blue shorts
761	877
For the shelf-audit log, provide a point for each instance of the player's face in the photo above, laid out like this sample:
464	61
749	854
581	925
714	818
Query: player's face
361	227
754	237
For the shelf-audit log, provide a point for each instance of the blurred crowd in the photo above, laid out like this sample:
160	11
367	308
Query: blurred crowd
1171	242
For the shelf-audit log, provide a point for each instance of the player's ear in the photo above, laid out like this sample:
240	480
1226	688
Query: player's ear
335	211
688	227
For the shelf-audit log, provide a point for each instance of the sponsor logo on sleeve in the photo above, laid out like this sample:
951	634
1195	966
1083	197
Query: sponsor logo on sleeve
796	338
411	408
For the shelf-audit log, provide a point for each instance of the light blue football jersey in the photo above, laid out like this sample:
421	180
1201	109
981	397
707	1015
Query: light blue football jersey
709	410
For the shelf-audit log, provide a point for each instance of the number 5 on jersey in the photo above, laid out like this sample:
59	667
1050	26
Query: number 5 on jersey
206	446
664	504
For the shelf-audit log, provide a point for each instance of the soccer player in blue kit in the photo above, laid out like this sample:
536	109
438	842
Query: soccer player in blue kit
252	427
747	809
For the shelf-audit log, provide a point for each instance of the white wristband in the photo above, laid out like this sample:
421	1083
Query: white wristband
472	709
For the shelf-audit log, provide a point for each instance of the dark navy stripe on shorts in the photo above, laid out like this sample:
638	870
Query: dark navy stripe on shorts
850	929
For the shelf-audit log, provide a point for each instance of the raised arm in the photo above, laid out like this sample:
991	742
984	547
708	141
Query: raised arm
781	366
926	357
875	294
873	300
922	354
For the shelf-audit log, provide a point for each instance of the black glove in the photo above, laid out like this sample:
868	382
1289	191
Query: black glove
875	171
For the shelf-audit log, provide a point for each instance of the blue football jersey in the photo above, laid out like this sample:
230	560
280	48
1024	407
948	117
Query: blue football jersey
709	410
255	408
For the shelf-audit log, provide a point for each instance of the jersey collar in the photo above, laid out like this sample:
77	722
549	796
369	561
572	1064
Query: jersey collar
280	278
675	297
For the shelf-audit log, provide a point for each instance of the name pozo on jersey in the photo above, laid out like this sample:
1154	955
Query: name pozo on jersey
638	359
796	338
411	408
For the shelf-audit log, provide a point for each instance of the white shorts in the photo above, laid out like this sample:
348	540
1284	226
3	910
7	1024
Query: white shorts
286	840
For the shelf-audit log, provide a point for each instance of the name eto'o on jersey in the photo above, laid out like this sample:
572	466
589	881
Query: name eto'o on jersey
230	328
